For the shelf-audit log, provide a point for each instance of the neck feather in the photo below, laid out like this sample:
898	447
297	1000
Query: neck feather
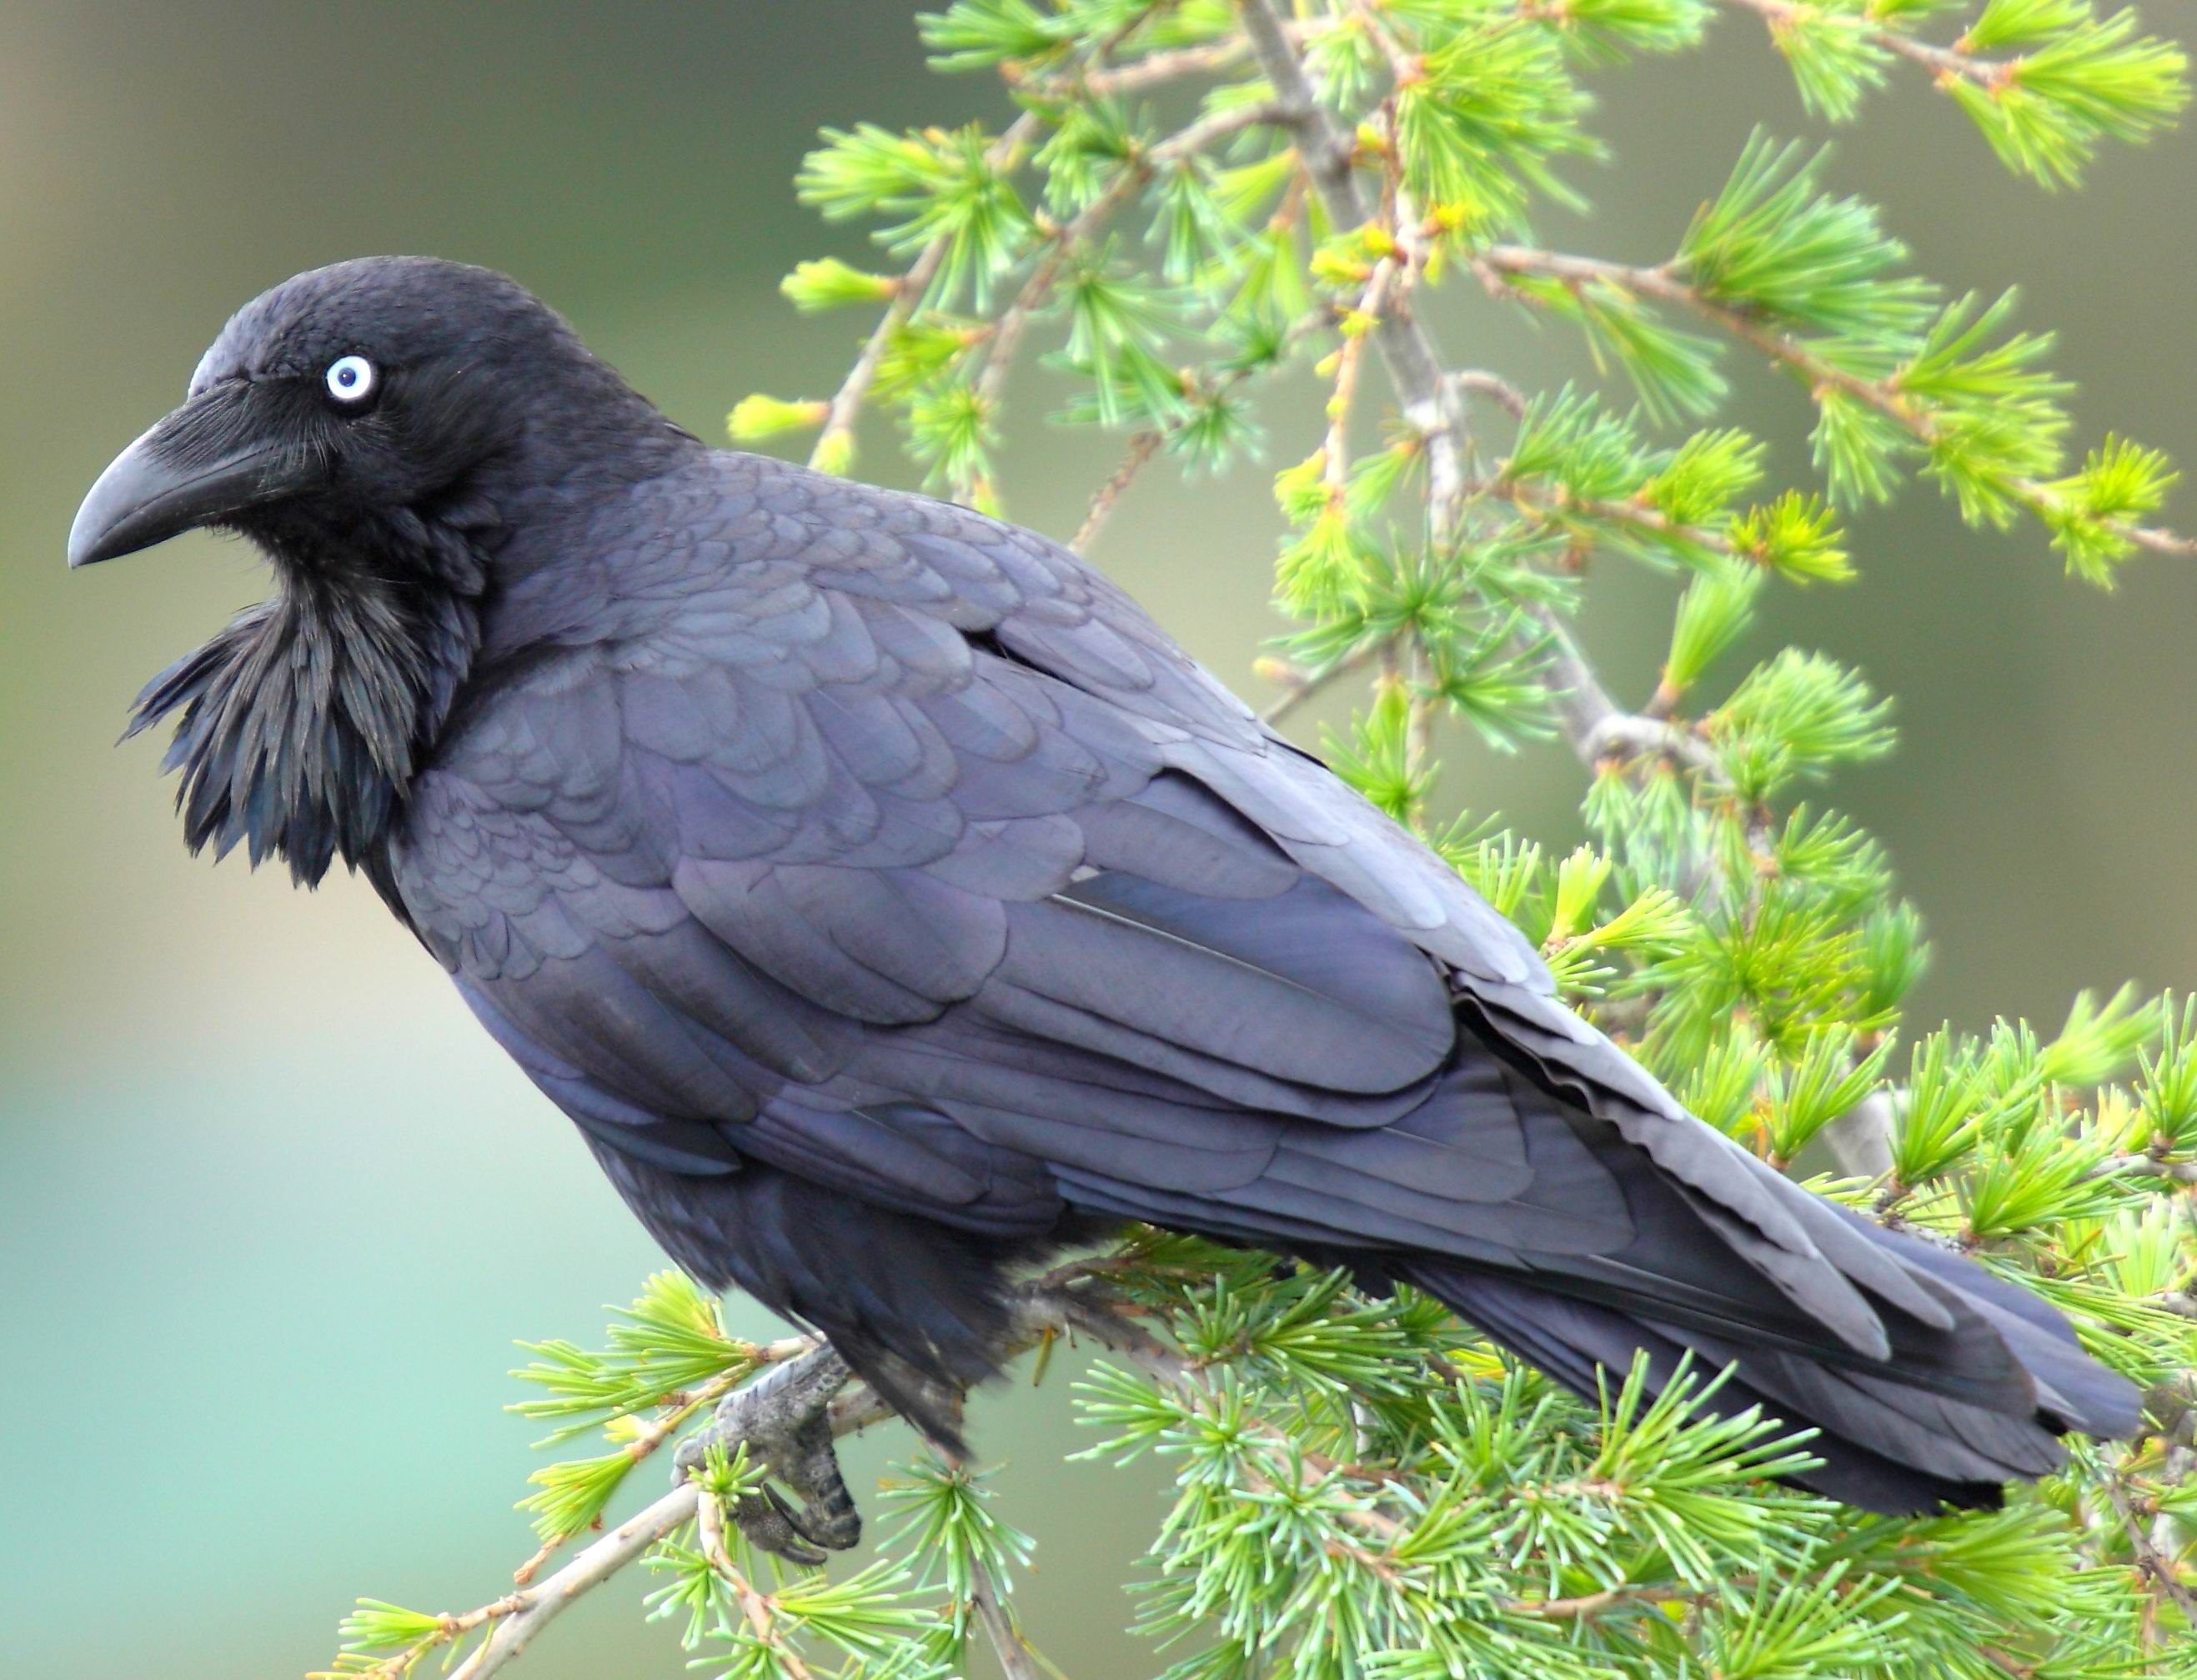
303	723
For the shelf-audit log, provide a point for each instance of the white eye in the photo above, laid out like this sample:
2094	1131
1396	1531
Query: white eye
351	379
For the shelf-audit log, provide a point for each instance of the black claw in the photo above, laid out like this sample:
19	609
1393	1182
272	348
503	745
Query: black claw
770	1525
783	1420
811	1470
796	1519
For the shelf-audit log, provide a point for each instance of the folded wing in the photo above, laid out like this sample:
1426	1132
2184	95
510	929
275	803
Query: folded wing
889	851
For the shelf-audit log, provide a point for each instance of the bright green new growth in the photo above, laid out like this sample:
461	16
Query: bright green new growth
1199	193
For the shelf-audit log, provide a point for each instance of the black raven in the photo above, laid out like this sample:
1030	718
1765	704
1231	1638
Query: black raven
890	901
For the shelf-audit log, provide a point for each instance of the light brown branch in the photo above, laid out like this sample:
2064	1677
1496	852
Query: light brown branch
1016	1660
1636	514
1154	70
758	1608
538	1607
1783	17
1145	445
1588	1605
1142	448
1044	1307
755	1357
1429	401
1014	322
1883	396
846	406
2150	1560
1404	67
1507	395
1158	69
1301	686
1335	450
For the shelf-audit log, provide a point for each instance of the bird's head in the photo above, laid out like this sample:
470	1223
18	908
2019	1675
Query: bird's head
381	429
347	404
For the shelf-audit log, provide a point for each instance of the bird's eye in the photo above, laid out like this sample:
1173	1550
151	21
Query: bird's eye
351	379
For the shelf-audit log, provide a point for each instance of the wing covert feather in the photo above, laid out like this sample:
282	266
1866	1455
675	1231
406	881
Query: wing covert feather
876	817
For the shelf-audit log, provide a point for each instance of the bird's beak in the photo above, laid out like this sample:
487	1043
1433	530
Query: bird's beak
219	454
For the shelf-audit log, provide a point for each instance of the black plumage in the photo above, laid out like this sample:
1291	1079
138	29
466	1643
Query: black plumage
888	900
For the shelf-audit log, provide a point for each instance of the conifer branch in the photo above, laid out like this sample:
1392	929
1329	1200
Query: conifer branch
1429	397
1299	686
1049	1306
756	1606
1588	1605
516	1619
1016	1660
1783	17
2044	82
1006	335
1478	382
1139	75
1142	448
1429	401
834	451
1885	396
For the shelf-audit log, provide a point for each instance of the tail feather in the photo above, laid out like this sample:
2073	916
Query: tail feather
2073	1389
1950	1415
1929	1378
1691	1266
1874	1454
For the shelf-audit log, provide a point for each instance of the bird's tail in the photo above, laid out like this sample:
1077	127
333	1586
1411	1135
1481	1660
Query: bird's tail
1951	1416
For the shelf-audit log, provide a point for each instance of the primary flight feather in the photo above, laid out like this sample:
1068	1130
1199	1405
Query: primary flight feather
890	901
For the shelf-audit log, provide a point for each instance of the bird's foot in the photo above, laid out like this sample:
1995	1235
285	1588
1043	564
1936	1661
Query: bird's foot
783	1419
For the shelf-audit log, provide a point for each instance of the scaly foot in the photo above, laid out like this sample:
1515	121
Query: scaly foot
783	1418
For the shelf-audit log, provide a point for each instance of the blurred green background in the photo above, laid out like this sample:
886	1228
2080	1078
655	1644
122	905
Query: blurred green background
271	1207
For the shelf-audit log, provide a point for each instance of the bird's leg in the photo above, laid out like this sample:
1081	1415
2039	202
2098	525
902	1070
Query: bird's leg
782	1418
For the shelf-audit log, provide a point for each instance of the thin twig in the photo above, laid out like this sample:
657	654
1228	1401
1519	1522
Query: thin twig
1507	395
1588	1605
1303	687
1636	515
2149	1559
1154	70
757	1607
1947	63
1882	395
1016	1660
1429	401
537	1607
1404	66
1142	447
1160	68
846	405
1006	335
